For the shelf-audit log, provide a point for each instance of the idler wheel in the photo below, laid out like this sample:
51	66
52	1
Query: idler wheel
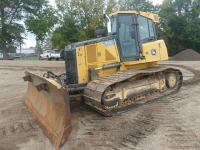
171	79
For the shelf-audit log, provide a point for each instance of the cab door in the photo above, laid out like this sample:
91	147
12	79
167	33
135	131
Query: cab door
127	37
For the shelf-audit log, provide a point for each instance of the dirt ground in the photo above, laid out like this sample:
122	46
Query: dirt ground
170	123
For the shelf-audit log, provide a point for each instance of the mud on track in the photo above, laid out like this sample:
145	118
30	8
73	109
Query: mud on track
170	123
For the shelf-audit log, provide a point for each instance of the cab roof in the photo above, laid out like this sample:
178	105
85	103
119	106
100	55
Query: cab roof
149	15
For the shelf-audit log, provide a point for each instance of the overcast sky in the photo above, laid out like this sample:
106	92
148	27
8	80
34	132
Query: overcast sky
30	39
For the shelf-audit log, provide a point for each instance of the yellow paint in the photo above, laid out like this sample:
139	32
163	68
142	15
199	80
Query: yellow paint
158	47
106	72
94	56
140	64
82	66
102	50
149	15
163	50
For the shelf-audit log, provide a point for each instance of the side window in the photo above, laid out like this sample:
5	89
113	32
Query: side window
143	28
151	28
114	24
146	28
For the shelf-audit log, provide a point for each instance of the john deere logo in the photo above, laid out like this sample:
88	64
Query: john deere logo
153	51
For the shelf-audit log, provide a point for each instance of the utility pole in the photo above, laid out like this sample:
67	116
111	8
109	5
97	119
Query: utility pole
20	47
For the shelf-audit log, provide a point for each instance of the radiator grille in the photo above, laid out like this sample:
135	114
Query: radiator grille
71	67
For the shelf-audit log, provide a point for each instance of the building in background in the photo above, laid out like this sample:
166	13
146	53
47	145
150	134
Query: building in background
26	51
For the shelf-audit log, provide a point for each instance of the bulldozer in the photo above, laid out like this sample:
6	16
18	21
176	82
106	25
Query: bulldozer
112	74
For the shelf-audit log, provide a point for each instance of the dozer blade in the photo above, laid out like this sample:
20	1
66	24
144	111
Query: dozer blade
48	102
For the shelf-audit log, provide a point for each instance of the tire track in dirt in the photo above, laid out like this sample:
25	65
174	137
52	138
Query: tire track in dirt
127	130
16	125
122	131
179	134
12	134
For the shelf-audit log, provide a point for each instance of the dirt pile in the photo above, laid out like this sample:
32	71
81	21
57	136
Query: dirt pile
187	55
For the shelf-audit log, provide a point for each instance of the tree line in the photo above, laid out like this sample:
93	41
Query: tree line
74	21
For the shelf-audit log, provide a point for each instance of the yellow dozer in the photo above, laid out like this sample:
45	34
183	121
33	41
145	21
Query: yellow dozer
112	74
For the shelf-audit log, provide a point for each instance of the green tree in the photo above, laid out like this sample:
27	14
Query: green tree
11	13
142	5
41	22
111	6
65	34
180	24
79	21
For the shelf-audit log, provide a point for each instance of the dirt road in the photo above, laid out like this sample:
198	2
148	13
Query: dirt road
170	123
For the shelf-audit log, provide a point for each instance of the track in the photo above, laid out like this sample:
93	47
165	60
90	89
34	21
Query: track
171	122
94	98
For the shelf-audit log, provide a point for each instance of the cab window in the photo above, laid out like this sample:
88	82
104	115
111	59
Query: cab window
146	29
126	40
151	28
114	25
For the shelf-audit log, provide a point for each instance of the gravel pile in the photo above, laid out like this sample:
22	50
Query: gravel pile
187	55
